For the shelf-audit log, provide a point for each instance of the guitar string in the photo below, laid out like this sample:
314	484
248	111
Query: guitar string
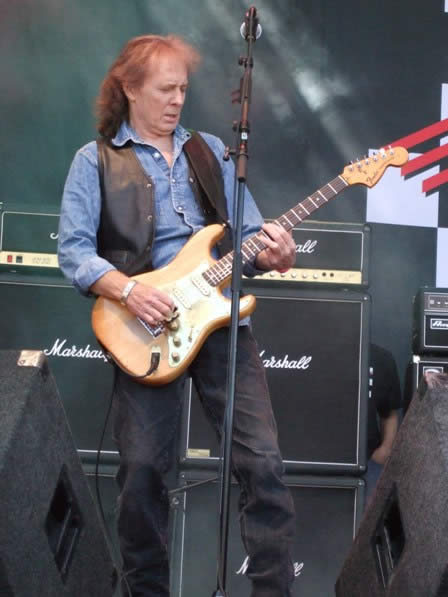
222	269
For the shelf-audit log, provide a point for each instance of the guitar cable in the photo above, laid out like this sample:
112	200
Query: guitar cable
155	360
154	364
119	574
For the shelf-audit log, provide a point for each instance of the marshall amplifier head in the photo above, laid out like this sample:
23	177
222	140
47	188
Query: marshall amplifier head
430	329
328	253
314	347
419	366
28	240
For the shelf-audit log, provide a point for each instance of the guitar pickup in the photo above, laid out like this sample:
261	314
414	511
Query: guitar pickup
201	284
182	297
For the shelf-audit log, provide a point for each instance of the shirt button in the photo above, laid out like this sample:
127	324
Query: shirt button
173	180
180	208
156	154
149	218
148	185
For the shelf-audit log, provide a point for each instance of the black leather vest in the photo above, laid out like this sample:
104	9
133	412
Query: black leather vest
126	230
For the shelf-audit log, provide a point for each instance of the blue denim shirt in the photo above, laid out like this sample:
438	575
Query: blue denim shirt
177	214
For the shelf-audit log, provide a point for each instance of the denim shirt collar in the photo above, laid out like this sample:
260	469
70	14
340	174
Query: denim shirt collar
126	133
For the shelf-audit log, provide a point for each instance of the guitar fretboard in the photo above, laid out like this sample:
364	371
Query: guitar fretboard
222	269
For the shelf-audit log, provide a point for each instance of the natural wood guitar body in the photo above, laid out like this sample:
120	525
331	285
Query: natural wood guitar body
201	310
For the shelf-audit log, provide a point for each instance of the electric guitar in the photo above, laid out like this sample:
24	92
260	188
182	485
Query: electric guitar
157	354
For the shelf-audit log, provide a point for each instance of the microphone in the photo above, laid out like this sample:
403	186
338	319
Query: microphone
251	18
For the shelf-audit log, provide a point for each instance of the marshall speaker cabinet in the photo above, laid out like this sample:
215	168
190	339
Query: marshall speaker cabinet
328	253
328	511
314	346
45	313
431	321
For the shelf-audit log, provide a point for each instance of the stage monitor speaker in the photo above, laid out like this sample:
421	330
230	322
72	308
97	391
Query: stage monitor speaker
43	313
401	549
314	346
52	541
327	509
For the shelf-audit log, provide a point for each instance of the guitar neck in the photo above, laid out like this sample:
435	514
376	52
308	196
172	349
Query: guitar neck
222	269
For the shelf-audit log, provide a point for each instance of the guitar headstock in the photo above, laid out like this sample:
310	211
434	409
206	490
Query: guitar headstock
369	170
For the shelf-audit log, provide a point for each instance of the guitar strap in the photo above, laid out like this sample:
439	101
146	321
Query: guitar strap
208	185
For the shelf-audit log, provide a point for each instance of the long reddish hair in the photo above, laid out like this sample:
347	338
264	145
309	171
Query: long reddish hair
130	68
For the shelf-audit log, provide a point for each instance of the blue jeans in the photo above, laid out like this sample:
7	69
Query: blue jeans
145	427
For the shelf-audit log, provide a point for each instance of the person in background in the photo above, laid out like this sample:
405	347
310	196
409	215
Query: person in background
383	412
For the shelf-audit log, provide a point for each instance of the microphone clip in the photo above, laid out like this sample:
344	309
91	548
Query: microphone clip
251	29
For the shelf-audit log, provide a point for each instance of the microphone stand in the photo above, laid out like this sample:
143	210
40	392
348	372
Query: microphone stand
241	152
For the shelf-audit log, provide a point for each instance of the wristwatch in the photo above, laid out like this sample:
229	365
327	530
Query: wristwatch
127	291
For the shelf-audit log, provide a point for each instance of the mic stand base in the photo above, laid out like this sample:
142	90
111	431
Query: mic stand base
219	593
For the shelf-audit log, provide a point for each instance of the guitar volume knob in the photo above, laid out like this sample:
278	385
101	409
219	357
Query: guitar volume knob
177	341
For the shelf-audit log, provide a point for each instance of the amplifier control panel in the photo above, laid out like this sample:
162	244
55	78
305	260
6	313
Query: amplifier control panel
322	276
436	301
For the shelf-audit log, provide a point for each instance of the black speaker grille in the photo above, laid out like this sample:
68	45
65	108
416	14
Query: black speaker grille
54	318
314	348
328	511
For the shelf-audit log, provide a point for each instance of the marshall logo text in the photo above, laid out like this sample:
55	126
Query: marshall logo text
274	362
298	567
59	349
307	247
439	324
